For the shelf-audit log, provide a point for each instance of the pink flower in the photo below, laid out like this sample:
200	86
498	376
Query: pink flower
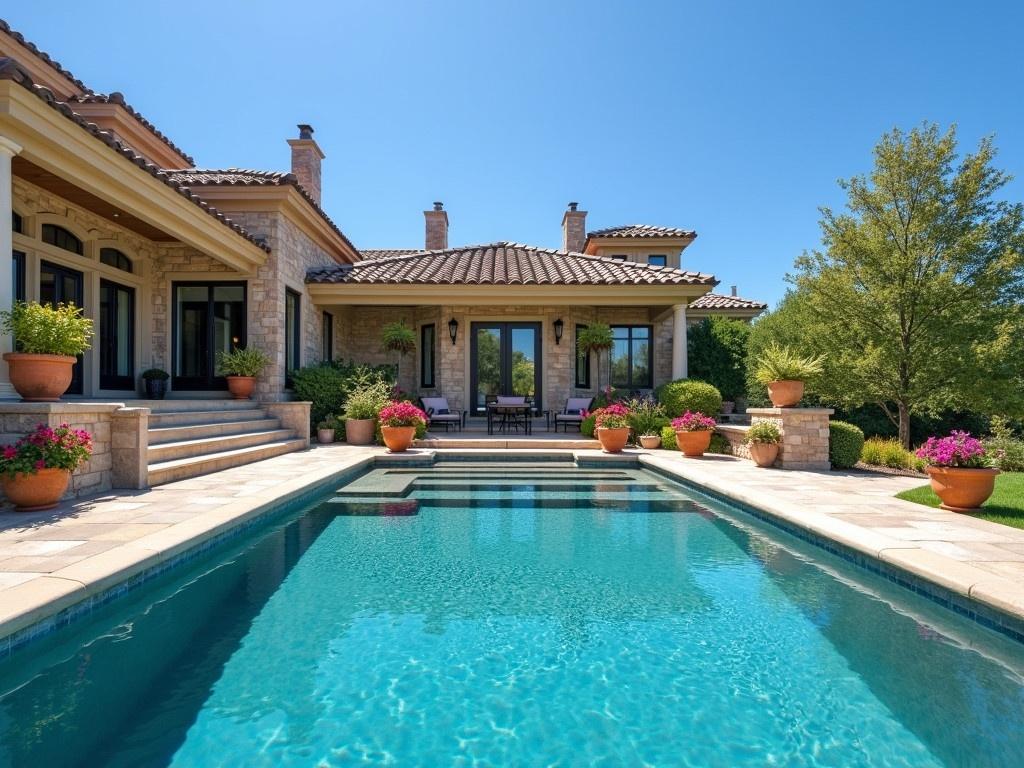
401	414
10	452
958	449
694	421
40	464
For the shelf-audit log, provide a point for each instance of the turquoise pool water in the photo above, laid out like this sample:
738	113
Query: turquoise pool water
516	615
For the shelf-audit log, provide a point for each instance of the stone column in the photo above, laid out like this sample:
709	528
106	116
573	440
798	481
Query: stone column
8	149
679	361
804	435
129	448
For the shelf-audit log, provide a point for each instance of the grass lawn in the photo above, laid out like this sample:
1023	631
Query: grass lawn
1006	505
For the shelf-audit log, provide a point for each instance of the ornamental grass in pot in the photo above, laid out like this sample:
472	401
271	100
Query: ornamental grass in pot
241	367
784	372
47	340
611	426
959	471
763	440
693	433
35	470
398	424
326	429
647	419
361	408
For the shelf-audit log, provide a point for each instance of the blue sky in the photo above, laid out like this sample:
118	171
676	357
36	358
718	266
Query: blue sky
731	118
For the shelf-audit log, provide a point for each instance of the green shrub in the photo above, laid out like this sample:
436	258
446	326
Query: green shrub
326	386
780	363
588	425
668	439
845	442
718	354
244	361
1006	450
682	395
719	445
43	329
155	374
880	452
366	400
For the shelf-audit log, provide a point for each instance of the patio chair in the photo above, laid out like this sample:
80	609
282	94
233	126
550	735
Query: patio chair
438	412
573	412
512	417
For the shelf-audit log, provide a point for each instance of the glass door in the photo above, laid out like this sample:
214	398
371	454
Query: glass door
57	285
505	359
117	336
208	318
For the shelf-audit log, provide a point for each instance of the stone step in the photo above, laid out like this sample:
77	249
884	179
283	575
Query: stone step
196	404
208	445
193	418
172	434
181	469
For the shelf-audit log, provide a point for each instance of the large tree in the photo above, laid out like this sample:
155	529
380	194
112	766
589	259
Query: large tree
916	294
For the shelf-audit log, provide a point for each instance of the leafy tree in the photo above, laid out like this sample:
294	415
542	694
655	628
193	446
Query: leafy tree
596	338
915	297
718	354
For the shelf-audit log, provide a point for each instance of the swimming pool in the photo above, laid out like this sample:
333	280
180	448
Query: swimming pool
516	615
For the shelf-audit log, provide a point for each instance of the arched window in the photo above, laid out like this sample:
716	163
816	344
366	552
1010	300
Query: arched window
61	238
114	258
16	222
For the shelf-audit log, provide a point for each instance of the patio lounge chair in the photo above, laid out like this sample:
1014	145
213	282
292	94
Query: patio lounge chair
573	412
438	412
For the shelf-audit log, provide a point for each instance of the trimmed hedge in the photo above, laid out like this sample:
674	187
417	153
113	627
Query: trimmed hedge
588	425
326	386
718	443
845	443
683	395
668	439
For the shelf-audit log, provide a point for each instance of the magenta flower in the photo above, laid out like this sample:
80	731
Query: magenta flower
10	452
693	421
958	449
401	414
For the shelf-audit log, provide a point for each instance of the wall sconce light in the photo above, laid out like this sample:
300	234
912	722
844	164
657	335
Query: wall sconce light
453	329
559	327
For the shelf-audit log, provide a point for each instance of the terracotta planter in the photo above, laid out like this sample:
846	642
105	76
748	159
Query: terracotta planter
764	454
693	444
785	394
398	439
650	441
360	431
613	440
241	387
325	436
961	489
31	493
39	378
728	406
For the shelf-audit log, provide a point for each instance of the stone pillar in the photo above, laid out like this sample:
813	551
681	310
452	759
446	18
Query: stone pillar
293	414
129	448
804	435
679	354
436	238
8	149
574	229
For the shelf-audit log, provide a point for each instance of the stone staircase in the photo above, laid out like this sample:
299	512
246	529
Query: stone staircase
194	437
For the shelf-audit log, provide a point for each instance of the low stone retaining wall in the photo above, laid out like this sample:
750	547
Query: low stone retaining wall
736	434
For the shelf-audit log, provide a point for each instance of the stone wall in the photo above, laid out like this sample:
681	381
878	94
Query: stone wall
804	435
736	434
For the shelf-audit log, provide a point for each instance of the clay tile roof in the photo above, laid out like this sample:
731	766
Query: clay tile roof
245	177
118	98
384	253
641	230
11	70
503	263
718	301
42	55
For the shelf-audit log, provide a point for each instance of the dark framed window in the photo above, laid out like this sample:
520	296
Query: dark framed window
620	257
582	362
292	334
328	337
16	222
657	260
632	356
18	275
114	258
61	238
428	341
207	318
117	336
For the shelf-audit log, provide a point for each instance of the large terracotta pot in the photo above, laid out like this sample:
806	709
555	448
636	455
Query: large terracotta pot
241	387
325	436
785	394
961	489
398	439
360	431
764	454
650	441
39	378
613	440
693	444
31	493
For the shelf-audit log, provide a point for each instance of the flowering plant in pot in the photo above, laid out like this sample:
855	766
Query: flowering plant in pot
47	340
154	381
784	372
958	470
241	367
693	432
361	408
398	424
763	441
35	470
611	426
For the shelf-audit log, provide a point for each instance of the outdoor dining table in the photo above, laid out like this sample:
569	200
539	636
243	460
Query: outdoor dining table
499	409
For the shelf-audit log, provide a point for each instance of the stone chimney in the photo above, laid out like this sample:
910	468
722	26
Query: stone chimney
306	157
734	290
437	228
574	229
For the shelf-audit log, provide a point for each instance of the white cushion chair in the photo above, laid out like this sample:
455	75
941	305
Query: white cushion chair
439	413
573	412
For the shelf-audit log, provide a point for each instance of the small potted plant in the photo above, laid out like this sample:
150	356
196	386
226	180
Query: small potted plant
154	381
647	419
398	424
958	470
784	373
241	367
693	433
611	426
763	441
361	409
35	470
46	341
325	430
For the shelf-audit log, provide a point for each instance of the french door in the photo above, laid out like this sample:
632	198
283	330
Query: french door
209	318
505	359
117	336
57	285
